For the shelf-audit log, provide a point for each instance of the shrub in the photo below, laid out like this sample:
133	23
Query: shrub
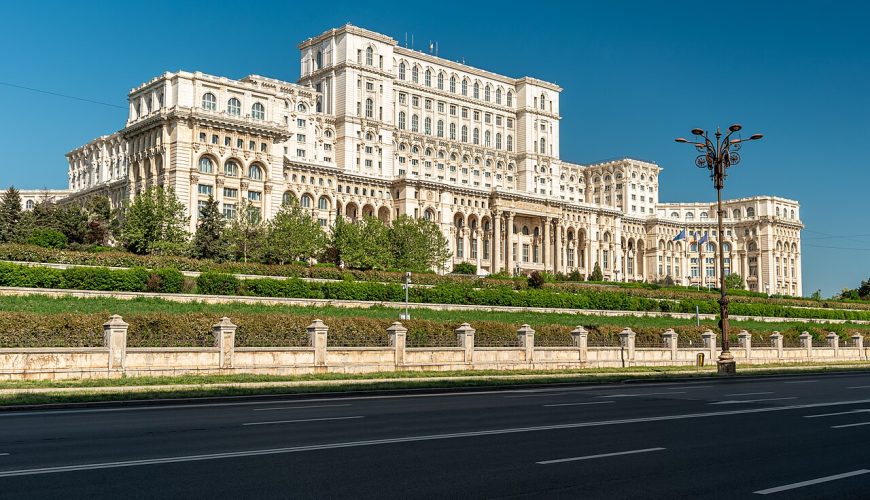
212	283
169	280
536	280
464	268
47	238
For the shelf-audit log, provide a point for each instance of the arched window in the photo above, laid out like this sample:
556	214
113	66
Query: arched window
736	213
231	168
510	98
486	94
498	96
792	214
753	247
675	215
440	129
415	123
288	198
705	216
209	101
323	203
476	135
498	140
543	146
258	111
690	216
510	143
401	120
206	165
543	101
464	133
370	111
440	81
300	108
429	214
369	55
750	211
486	139
427	126
255	173
306	201
476	91
464	87
415	74
401	71
29	205
234	107
525	230
453	131
427	78
726	247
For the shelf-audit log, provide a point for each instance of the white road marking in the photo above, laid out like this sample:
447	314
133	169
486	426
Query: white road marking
299	407
849	425
748	393
743	401
303	420
689	387
859	387
578	404
811	482
639	395
411	439
536	395
4	454
603	455
835	414
800	381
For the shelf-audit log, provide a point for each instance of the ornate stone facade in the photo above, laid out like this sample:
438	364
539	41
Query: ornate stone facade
376	129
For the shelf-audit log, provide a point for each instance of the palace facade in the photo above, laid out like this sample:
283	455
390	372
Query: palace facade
376	129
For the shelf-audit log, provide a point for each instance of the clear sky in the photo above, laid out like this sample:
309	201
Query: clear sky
635	75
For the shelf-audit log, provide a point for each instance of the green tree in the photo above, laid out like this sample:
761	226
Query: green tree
10	216
99	221
596	275
245	234
734	282
363	244
418	245
208	239
293	235
155	222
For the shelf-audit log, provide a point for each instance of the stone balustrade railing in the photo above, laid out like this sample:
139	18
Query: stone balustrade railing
116	359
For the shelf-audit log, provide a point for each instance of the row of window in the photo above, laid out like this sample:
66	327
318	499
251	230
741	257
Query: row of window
475	137
750	212
454	109
476	88
231	168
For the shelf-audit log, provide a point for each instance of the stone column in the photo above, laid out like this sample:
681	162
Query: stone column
479	247
509	247
225	340
398	335
581	340
115	339
709	338
834	342
526	338
776	341
557	248
497	243
670	337
745	340
317	339
626	340
858	341
546	245
465	339
807	343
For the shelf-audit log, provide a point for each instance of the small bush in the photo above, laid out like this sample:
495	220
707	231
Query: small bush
217	284
465	268
48	238
536	280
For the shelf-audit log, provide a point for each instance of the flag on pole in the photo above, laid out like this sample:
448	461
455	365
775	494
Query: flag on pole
680	236
703	239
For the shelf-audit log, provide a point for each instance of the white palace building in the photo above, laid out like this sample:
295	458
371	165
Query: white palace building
376	129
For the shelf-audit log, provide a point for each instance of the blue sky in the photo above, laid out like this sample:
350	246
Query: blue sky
635	75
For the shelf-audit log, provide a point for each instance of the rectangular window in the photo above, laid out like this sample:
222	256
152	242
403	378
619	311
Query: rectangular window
231	193
240	143
474	248
229	211
214	139
255	195
486	249
204	189
300	153
202	137
403	98
459	247
514	253
300	122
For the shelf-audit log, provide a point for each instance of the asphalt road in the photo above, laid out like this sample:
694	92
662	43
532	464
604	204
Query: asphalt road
787	437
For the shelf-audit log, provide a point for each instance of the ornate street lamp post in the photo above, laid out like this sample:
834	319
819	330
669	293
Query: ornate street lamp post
717	156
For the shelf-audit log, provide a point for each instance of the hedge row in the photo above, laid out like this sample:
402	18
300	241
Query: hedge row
136	279
22	329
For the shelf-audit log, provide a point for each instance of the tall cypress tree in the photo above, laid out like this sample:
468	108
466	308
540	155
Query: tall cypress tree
10	215
207	241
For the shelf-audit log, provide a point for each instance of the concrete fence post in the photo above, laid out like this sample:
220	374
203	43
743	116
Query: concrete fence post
776	342
709	338
670	337
317	332
834	342
115	339
626	340
398	336
858	341
744	338
807	343
580	337
465	339
526	338
225	340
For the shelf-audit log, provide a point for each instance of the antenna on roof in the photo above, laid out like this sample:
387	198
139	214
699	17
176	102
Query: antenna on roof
436	48
431	47
406	39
